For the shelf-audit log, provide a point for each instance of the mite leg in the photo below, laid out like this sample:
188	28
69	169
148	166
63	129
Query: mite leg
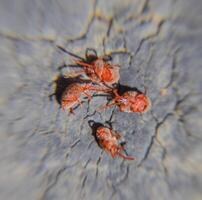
89	55
116	134
115	91
80	103
71	110
106	106
69	53
74	74
99	89
88	95
116	66
83	64
107	58
125	157
113	154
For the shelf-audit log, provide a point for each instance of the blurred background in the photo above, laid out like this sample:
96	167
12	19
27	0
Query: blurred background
46	153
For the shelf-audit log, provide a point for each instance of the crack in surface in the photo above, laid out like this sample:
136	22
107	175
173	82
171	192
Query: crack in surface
153	137
89	24
172	78
88	161
54	182
14	36
84	182
159	26
97	164
74	144
181	116
124	177
173	68
144	6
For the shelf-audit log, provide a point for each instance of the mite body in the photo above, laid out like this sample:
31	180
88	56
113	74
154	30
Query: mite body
109	141
130	101
100	71
74	92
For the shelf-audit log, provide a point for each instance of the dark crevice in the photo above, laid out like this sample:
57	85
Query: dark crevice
97	164
145	7
37	128
188	132
164	151
181	117
16	37
87	29
110	121
90	144
149	37
110	23
172	76
75	143
54	182
84	182
88	161
153	137
114	189
109	27
90	115
173	72
124	177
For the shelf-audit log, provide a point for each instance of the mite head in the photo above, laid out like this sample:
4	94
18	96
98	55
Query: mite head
140	103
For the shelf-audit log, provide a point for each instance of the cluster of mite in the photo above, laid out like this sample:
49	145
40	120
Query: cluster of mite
103	78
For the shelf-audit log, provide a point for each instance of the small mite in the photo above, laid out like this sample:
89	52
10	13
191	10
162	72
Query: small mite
98	69
73	93
101	71
109	141
130	101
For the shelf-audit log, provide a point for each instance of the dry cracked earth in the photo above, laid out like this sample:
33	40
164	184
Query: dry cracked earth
47	154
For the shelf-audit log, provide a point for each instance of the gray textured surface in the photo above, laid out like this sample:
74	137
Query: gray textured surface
47	154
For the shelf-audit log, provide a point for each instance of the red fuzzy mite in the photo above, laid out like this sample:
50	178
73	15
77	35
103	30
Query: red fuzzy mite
72	94
130	101
109	141
100	71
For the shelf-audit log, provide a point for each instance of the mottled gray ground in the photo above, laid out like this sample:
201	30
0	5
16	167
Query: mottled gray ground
48	154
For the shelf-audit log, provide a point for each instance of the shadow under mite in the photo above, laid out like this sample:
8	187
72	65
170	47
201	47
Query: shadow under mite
94	126
124	88
62	83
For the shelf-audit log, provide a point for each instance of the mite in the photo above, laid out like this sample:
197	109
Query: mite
130	101
98	69
73	93
109	141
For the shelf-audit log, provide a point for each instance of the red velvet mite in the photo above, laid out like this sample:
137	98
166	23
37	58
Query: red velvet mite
100	71
72	94
130	101
109	141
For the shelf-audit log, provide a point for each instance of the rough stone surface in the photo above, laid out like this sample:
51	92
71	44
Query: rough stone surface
48	154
